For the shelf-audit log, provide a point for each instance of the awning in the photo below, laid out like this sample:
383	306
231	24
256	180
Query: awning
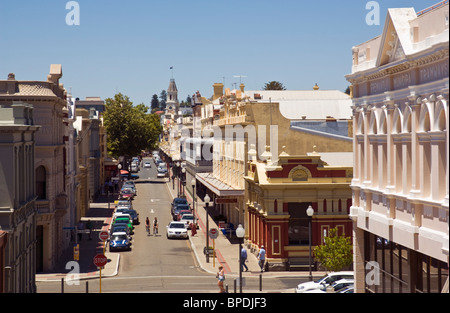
217	186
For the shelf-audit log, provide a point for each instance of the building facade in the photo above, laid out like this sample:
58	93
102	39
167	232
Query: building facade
272	131
400	85
277	198
18	218
48	99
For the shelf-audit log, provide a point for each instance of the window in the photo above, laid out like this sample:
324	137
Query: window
41	183
298	231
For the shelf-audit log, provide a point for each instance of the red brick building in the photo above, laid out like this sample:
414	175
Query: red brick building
278	197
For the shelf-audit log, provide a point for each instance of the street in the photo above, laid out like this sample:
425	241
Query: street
155	263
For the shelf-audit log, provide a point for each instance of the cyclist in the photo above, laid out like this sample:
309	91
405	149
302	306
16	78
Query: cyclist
155	226
147	226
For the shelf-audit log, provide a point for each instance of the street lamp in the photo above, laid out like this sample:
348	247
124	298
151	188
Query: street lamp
240	233
206	199
310	213
182	179
193	183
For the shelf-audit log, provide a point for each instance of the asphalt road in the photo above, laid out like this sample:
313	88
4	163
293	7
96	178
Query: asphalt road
157	264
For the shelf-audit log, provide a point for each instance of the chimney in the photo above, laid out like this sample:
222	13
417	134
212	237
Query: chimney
55	74
218	90
241	86
316	87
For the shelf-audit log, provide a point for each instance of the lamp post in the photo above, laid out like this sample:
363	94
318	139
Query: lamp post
206	200
178	175
310	213
240	233
182	179
193	183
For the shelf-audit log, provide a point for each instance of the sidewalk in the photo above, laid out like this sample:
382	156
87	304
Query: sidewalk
100	216
227	250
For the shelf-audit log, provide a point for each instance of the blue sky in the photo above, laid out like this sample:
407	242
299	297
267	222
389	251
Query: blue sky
129	46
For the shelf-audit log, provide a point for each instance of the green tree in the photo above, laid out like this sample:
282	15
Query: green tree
336	253
130	129
274	85
155	103
163	97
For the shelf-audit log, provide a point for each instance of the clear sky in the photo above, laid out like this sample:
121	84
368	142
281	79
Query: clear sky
129	46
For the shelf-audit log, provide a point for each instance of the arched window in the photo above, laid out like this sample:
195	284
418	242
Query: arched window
41	183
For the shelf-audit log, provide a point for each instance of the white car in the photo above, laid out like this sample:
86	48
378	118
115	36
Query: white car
324	281
187	219
177	230
121	214
147	164
337	286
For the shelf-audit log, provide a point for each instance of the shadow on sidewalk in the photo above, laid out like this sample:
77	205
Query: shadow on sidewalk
89	246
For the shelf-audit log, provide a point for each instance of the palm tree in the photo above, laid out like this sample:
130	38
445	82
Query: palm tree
274	85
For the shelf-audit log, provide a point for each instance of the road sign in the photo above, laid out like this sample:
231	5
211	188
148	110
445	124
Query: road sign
100	260
103	235
213	233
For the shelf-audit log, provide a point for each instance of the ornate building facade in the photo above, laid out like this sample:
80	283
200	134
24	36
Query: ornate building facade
17	205
400	85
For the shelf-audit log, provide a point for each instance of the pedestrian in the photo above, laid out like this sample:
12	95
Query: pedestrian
244	259
155	226
221	278
80	229
90	226
193	229
262	258
147	226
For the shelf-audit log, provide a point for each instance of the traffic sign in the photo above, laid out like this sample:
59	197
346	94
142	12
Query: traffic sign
100	260
103	235
213	233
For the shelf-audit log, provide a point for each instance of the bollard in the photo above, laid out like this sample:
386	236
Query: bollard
226	288
87	287
235	285
62	285
260	282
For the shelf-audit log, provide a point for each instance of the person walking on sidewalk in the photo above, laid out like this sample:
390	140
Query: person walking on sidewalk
221	278
90	226
244	259
262	258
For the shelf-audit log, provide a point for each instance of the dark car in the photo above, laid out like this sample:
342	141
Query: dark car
177	201
178	208
119	241
134	215
118	228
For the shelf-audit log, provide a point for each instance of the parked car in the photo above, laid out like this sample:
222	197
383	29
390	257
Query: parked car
124	203
176	230
188	219
119	241
118	228
337	286
177	201
181	213
162	172
326	280
125	220
178	208
134	215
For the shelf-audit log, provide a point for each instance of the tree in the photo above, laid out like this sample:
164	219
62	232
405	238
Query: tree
130	128
274	85
163	97
336	253
155	103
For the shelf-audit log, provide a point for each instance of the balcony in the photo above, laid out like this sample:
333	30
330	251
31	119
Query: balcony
232	121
